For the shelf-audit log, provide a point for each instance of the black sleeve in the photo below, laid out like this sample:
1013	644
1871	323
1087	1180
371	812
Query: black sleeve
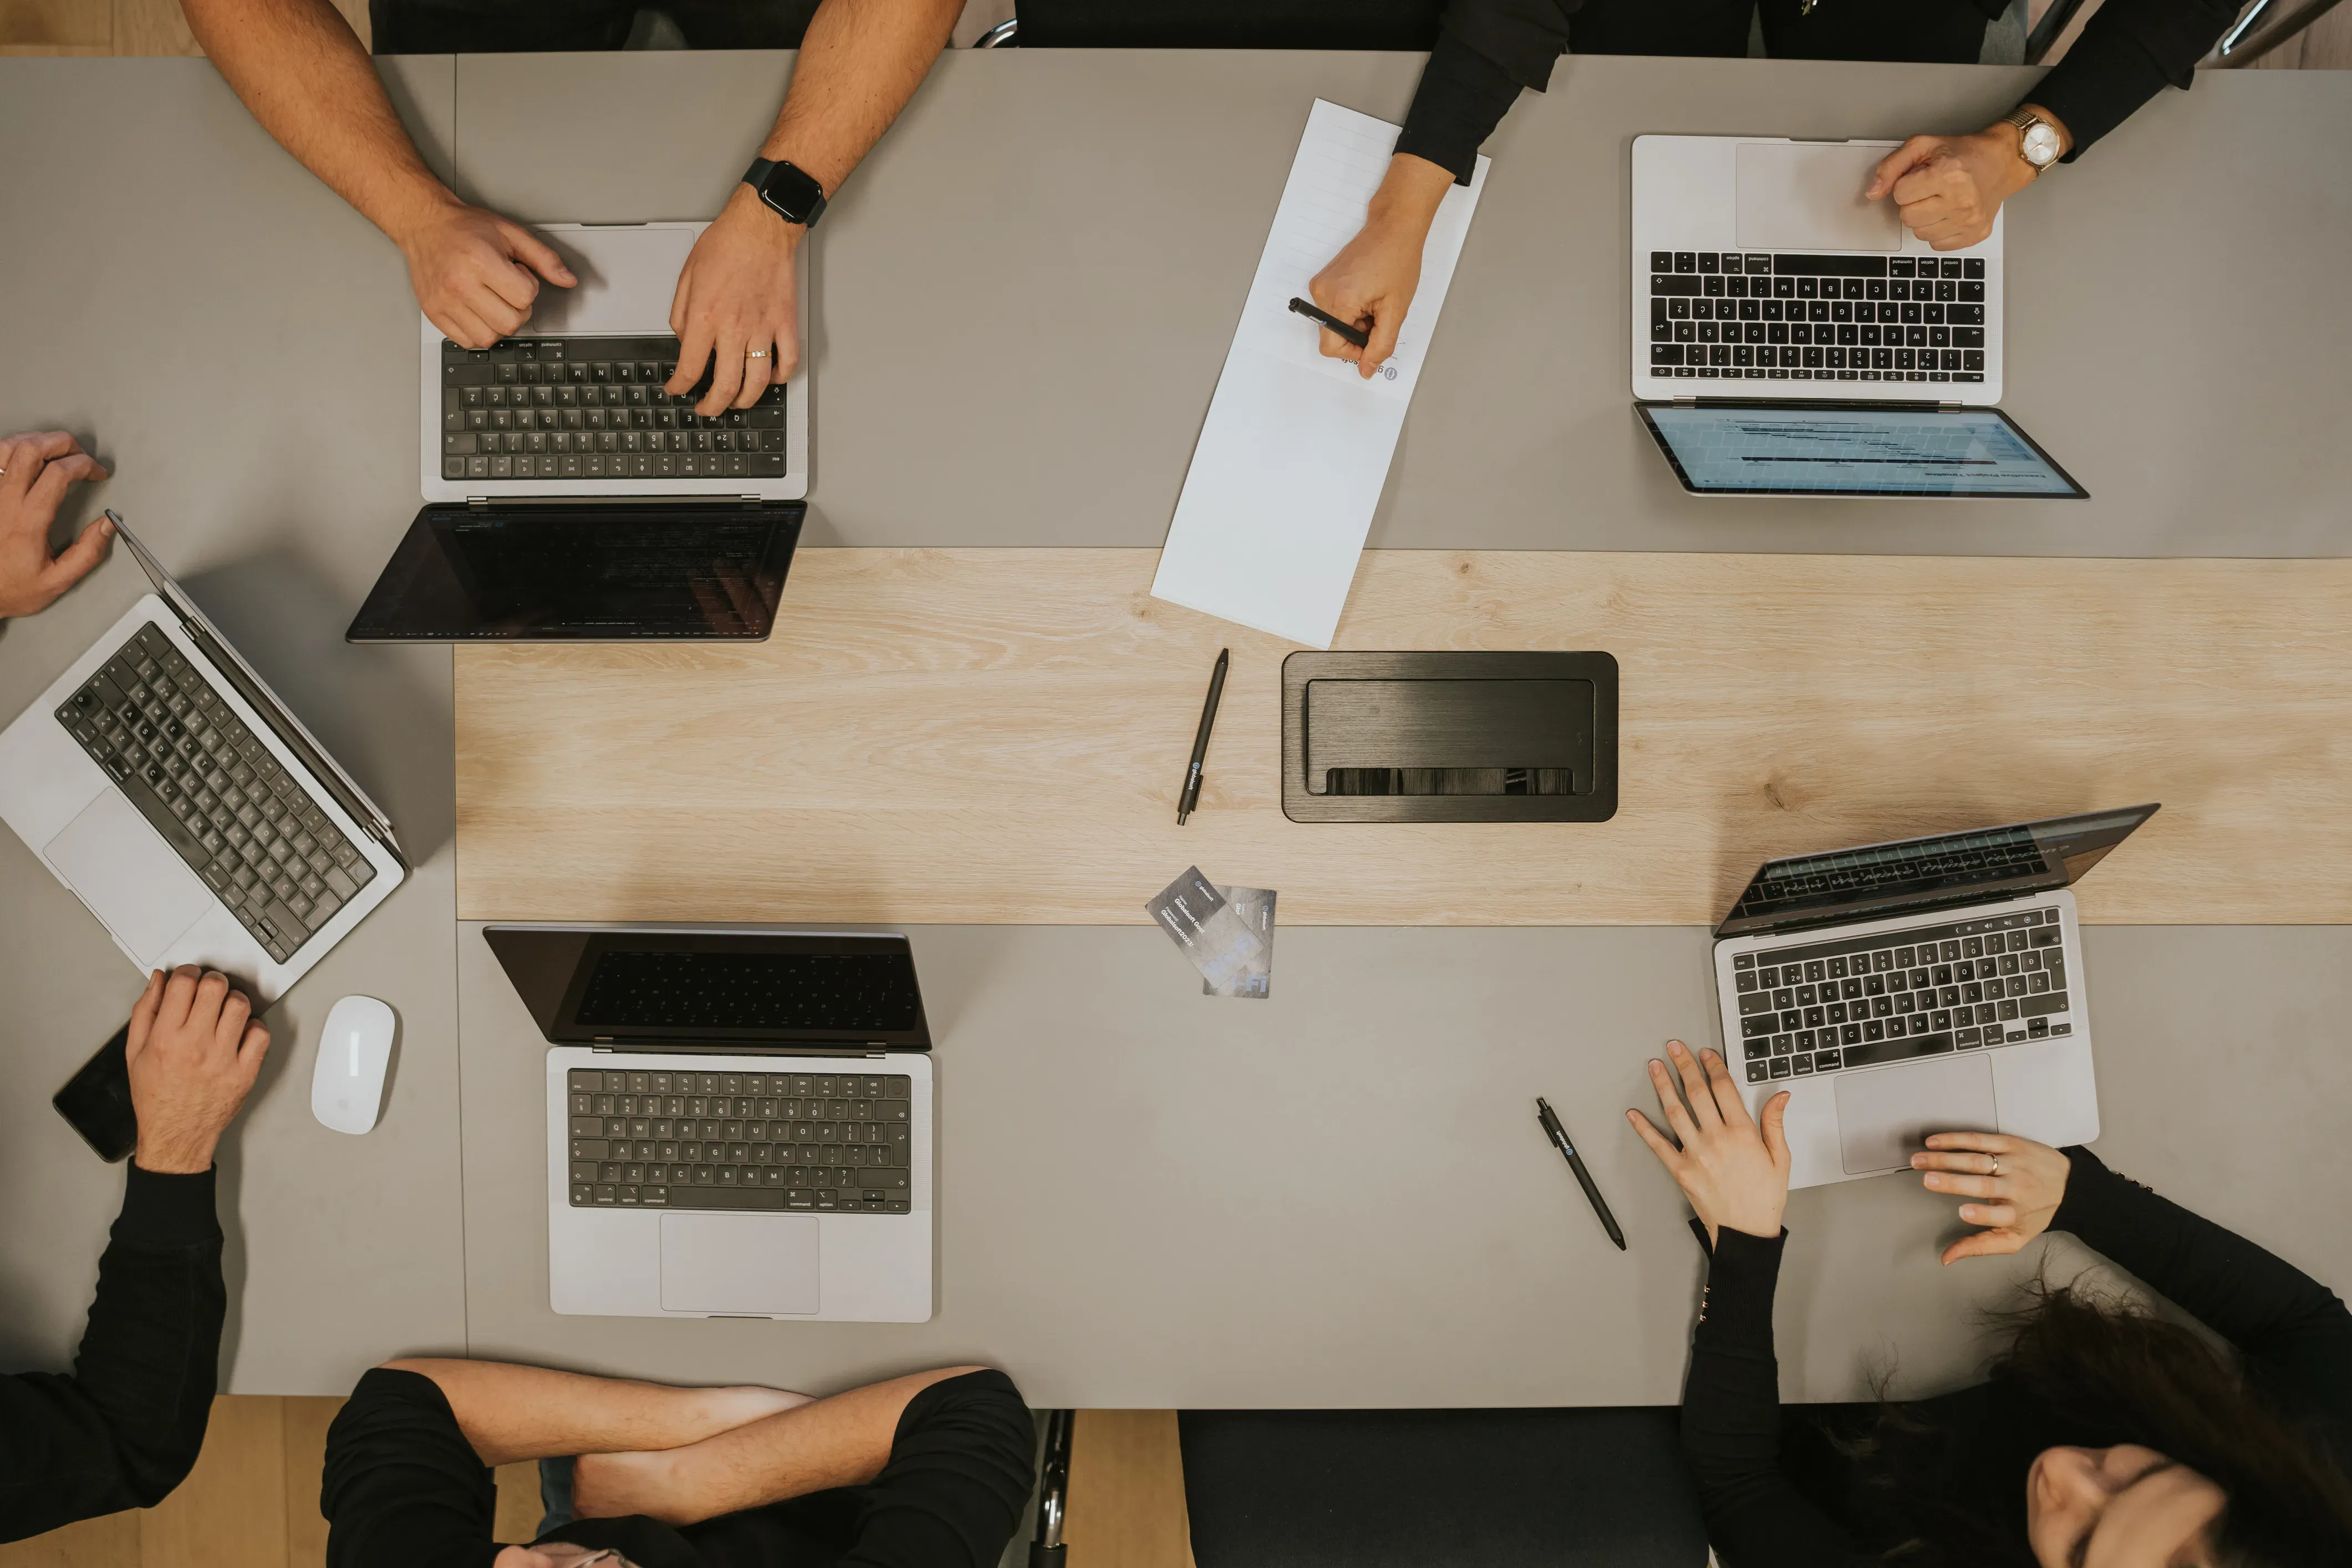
122	1430
2293	1331
402	1486
962	1465
1732	1420
1486	51
2129	51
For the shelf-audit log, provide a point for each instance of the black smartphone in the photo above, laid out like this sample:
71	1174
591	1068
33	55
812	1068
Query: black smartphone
96	1102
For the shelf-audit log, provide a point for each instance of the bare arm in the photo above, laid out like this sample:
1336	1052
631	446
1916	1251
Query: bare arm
842	1441
509	1412
300	69
859	63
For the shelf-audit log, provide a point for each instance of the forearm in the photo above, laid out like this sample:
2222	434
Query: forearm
509	1412
859	63
302	72
2129	51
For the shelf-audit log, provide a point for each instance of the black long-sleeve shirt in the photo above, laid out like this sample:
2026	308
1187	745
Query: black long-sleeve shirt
1487	50
1764	1509
123	1428
403	1488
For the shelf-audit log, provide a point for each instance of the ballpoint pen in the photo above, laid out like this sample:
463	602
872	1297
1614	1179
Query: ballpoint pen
1558	1135
1191	797
1356	335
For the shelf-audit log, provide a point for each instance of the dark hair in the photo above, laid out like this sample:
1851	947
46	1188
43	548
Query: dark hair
1934	1489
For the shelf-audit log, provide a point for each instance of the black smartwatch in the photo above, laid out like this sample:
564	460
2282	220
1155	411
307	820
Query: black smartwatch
792	193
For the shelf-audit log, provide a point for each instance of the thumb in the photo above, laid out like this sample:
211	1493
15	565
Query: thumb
1382	338
1983	1244
251	1050
1776	1137
1898	164
76	559
536	254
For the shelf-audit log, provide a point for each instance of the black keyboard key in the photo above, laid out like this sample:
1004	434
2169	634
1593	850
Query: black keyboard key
1829	266
2048	1002
1869	1053
1662	262
1673	283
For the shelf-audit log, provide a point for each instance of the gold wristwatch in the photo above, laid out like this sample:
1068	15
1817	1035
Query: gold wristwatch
2038	142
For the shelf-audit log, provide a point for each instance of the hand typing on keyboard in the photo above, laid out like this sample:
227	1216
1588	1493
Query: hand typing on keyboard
35	470
475	273
735	300
1950	188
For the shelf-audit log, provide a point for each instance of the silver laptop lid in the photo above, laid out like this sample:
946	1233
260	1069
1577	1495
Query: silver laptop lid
256	690
1913	875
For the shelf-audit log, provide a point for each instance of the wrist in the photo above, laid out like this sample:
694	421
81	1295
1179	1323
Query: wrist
745	209
171	1156
406	219
1411	193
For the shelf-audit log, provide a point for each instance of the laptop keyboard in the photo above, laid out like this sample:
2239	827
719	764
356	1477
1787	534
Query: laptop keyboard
1735	315
593	408
826	1142
215	793
1865	1000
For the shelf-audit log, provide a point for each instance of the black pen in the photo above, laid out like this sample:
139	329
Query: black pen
1186	802
1356	335
1558	1134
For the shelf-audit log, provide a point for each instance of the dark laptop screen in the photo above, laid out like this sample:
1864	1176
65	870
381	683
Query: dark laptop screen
1841	449
1881	879
605	573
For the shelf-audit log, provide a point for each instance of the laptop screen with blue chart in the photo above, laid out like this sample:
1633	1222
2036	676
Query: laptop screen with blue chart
1816	449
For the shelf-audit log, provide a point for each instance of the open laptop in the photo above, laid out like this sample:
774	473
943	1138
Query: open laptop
163	782
554	462
1789	338
739	1122
1928	985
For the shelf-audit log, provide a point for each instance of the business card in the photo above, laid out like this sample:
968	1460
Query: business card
1209	930
1256	907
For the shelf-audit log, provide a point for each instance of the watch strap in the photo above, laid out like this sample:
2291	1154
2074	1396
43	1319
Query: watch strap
792	192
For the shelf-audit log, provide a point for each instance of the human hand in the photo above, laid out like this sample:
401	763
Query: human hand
192	1050
2029	1183
1734	1173
1371	282
735	298
35	470
1948	188
475	273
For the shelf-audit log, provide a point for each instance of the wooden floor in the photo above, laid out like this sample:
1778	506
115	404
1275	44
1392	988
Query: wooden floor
253	1498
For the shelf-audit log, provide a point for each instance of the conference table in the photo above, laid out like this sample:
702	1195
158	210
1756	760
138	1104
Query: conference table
1147	1197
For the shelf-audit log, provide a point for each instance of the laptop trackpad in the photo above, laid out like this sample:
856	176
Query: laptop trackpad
1883	1118
755	1264
129	876
1808	197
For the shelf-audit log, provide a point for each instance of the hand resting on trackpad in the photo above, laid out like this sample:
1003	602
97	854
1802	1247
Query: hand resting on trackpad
1883	1118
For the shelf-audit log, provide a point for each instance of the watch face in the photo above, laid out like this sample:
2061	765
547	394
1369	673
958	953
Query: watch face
2040	145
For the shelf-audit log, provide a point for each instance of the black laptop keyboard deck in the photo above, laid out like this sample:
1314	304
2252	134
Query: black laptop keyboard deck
594	408
824	1143
216	795
1736	315
1865	1000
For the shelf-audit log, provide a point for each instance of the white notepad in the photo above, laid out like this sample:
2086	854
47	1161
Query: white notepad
1295	448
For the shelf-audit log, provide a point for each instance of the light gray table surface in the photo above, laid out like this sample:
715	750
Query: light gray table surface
236	343
1025	295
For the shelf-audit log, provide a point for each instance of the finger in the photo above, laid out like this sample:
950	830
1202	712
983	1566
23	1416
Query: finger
694	345
178	995
1896	164
1983	1143
756	371
1960	1162
1693	1077
27	454
1960	1185
48	491
1961	236
1927	212
251	1051
236	1010
536	254
501	294
1668	1155
788	354
1940	180
1384	332
76	560
1671	1103
1722	1090
212	995
1332	345
142	1014
1994	1216
726	370
1776	1135
461	326
1984	1243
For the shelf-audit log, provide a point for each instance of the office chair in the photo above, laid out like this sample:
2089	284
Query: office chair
1218	25
1053	1492
1421	1488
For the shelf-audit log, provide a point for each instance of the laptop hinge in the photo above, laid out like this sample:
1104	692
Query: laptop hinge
873	1048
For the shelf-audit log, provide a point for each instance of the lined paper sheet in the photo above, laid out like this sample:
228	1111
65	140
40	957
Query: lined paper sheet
1295	448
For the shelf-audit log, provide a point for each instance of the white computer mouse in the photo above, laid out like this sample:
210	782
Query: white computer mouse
354	1049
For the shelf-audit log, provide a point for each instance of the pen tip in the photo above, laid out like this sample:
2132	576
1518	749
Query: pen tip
1180	817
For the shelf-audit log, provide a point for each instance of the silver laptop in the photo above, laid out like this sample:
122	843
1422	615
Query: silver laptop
1928	985
739	1122
574	405
1789	338
163	782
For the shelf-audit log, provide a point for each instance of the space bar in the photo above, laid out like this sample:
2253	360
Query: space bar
1872	1052
725	1198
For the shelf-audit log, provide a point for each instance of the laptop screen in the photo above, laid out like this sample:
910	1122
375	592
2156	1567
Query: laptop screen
1835	450
1881	879
603	573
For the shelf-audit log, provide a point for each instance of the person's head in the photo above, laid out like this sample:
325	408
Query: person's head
2147	1450
560	1554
